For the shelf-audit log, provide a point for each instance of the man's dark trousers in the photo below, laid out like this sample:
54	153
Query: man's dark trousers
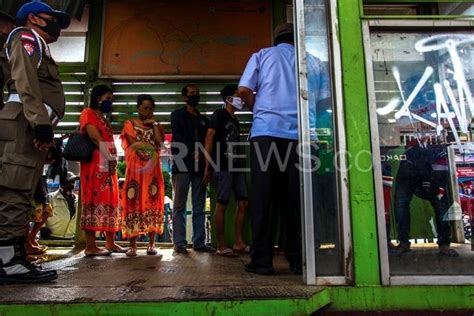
275	184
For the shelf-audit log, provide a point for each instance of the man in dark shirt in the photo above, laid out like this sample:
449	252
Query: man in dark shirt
222	143
189	130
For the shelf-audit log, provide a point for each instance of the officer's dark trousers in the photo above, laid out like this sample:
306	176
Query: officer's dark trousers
274	185
20	167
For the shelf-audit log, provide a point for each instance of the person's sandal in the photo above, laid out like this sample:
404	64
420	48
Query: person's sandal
226	252
151	250
102	253
244	250
33	251
131	252
117	250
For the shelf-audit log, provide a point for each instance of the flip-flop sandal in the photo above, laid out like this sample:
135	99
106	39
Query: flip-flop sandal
43	248
117	251
151	251
37	251
103	253
226	252
244	250
131	252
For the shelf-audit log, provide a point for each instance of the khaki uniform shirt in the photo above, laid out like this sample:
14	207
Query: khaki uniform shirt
34	76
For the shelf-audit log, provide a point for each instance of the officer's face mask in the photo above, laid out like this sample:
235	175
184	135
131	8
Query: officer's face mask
106	106
236	102
52	28
193	100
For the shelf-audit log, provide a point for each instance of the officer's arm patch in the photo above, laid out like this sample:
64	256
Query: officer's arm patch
29	43
29	48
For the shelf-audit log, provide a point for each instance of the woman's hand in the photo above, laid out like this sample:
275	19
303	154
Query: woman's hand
149	121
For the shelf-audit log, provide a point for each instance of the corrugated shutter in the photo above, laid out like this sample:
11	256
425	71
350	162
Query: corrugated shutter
74	84
168	98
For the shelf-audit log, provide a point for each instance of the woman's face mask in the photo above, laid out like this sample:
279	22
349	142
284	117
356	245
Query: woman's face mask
106	106
236	102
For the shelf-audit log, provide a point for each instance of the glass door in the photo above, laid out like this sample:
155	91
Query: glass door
321	138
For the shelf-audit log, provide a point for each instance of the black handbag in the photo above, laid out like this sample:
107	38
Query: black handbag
79	147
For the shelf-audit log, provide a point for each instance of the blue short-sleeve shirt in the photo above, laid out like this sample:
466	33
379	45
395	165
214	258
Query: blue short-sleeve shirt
271	74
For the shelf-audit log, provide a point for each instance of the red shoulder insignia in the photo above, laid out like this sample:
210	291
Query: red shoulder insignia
29	48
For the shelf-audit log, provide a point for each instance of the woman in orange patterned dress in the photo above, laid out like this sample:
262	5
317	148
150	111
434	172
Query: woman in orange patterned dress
143	193
100	211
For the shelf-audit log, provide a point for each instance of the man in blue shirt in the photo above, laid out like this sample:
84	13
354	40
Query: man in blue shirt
271	75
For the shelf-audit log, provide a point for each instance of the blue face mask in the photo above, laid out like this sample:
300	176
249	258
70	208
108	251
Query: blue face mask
106	106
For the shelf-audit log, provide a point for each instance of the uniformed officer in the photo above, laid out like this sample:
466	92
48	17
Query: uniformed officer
7	23
35	104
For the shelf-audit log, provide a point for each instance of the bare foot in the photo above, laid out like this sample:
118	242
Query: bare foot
94	252
131	252
151	250
34	243
115	248
33	250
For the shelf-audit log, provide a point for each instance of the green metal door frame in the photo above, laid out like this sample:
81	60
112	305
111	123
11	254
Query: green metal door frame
358	137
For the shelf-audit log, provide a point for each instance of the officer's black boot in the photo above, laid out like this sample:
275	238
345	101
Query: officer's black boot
14	268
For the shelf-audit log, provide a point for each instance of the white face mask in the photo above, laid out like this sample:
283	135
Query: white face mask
237	103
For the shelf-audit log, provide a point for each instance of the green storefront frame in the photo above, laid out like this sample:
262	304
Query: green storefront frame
366	293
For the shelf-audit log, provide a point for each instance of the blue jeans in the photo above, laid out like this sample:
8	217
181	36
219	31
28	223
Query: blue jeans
181	182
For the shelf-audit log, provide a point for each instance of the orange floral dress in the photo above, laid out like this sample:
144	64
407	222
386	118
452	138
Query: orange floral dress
99	185
143	192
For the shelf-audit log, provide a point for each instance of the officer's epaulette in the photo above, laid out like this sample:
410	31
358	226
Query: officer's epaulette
30	40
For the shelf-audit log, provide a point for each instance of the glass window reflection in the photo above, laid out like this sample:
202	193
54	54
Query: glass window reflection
325	194
423	83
